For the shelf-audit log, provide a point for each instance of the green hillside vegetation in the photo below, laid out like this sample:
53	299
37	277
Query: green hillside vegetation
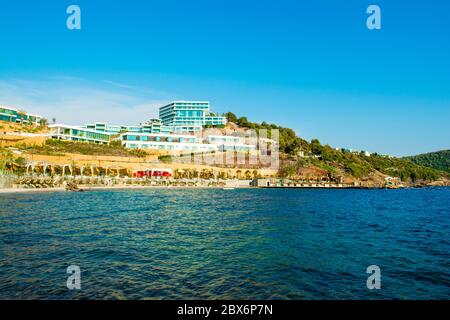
439	160
336	162
289	142
60	147
359	165
7	156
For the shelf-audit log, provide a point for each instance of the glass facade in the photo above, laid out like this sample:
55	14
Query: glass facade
153	126
230	143
17	116
165	142
189	114
158	138
78	134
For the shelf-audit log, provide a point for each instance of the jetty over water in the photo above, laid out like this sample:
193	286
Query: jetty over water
287	183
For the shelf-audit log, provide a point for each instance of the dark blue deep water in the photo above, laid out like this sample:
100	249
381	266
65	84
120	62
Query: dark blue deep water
227	244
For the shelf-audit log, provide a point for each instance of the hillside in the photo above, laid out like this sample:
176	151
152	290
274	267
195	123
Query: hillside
312	160
439	160
60	147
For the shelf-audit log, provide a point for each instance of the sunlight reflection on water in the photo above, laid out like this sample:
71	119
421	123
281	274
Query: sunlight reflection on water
226	244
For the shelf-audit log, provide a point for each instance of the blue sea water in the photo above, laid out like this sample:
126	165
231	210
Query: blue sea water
226	244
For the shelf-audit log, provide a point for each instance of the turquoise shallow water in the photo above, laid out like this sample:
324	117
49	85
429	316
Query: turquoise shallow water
229	244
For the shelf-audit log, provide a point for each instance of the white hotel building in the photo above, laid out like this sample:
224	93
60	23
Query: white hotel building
74	133
230	143
165	142
179	130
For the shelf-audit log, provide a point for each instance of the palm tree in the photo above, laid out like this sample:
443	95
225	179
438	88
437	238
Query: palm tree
21	115
43	122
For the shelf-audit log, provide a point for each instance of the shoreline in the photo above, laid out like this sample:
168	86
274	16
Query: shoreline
121	187
101	188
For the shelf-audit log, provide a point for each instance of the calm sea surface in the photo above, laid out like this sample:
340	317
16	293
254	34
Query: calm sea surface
230	244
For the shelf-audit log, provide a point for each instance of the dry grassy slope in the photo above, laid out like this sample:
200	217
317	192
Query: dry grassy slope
21	128
16	140
14	134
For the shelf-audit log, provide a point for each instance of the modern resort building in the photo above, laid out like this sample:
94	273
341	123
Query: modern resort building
73	133
179	129
15	115
151	126
189	116
230	143
166	142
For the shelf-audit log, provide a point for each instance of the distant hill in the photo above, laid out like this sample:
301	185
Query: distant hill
438	160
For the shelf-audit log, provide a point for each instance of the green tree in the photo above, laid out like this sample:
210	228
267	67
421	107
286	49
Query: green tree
231	117
316	147
243	122
43	122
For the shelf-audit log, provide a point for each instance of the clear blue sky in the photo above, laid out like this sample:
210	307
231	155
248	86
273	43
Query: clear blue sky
309	65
